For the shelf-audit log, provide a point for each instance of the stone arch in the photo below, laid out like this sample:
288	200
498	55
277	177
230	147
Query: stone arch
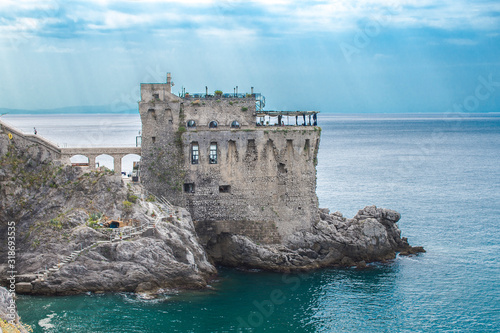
191	123
127	162
107	161
213	124
235	124
80	160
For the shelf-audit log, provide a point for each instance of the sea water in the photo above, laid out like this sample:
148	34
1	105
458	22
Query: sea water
441	172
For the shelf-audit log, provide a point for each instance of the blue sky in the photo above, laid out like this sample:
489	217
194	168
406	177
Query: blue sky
333	56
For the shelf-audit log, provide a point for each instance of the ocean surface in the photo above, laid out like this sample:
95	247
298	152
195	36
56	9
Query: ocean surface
441	172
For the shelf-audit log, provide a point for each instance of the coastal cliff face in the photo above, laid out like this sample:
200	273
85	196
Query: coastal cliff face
56	209
372	235
9	319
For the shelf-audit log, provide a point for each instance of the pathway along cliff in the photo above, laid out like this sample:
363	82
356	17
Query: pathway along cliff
62	250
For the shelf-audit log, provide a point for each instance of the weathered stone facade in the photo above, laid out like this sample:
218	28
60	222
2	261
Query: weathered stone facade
233	176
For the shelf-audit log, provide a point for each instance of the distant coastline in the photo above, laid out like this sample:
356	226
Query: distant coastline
110	109
100	109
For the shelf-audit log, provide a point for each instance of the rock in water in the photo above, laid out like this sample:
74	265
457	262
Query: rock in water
371	235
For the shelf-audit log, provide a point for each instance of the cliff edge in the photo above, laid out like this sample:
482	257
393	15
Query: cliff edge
372	235
62	248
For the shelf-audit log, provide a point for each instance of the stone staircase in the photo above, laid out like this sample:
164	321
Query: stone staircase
165	209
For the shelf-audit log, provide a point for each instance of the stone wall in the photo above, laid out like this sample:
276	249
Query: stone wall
264	180
35	145
260	175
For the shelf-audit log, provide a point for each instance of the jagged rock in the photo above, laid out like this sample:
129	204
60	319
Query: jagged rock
168	257
51	206
372	235
8	312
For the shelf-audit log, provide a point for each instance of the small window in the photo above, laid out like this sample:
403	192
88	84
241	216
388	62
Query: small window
235	124
213	153
153	138
213	124
189	187
195	153
156	96
191	123
225	189
152	112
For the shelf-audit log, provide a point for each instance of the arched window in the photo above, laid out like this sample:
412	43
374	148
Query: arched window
235	124
213	124
191	123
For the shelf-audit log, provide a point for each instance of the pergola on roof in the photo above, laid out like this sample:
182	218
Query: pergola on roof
285	113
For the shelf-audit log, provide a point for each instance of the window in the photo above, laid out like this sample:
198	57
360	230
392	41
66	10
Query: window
156	96
189	187
153	138
152	112
195	153
191	123
213	124
225	189
213	153
235	124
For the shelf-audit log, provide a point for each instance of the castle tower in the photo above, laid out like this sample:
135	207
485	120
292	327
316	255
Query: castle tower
221	157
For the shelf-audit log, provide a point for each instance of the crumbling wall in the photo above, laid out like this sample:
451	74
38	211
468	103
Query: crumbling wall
260	175
263	184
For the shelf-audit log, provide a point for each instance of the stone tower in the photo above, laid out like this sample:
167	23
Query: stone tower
222	158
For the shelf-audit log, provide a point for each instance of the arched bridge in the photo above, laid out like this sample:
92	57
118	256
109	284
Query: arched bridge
91	153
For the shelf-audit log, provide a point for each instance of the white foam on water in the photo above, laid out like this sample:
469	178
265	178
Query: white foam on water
45	322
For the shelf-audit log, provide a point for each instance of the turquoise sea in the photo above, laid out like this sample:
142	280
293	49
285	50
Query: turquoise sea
441	172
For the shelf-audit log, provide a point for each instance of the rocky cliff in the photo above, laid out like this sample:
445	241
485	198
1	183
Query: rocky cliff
57	209
9	319
372	235
61	248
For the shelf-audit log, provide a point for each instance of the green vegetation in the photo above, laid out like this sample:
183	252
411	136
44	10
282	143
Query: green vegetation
151	198
56	224
244	108
5	326
127	206
96	216
218	93
94	219
132	198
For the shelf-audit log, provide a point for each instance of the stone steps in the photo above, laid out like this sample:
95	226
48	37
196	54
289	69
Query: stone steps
27	286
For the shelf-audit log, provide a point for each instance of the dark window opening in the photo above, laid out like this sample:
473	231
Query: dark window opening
307	145
282	168
213	124
156	96
153	138
152	112
191	123
225	189
235	124
195	154
213	153
189	187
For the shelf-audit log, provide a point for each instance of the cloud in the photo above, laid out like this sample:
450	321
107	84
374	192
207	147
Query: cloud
258	15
